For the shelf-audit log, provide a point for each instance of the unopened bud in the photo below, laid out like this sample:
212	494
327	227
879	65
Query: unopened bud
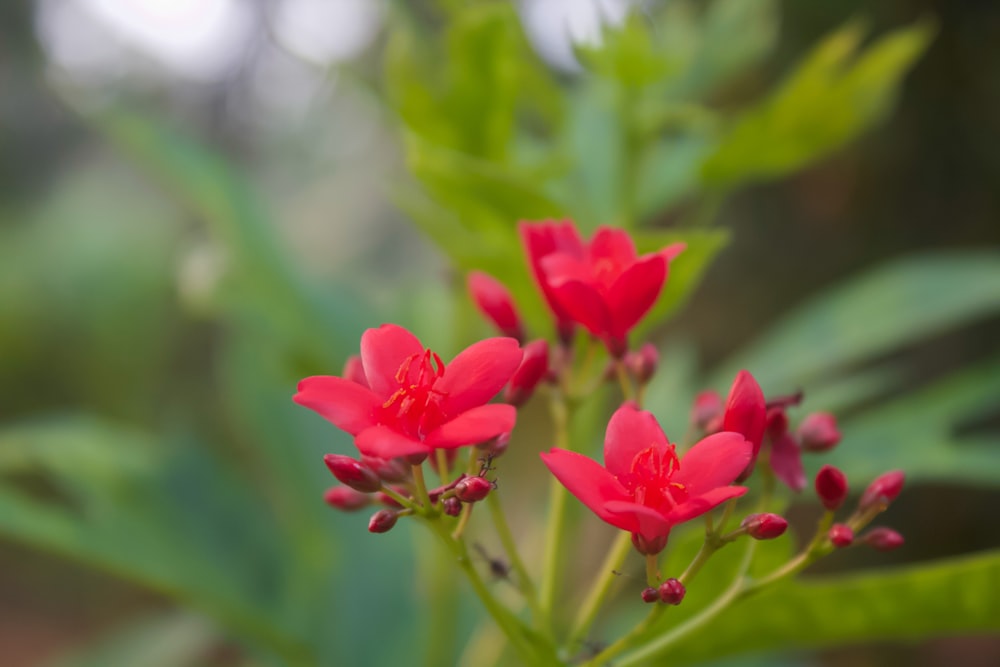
707	411
649	546
672	591
883	539
533	369
841	535
650	595
831	487
473	489
382	521
354	474
355	371
452	506
496	304
818	432
495	447
393	471
883	490
346	499
765	526
643	362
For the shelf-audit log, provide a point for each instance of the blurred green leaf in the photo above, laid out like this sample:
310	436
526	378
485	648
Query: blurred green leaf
890	306
169	639
170	522
836	93
923	432
686	270
929	600
630	53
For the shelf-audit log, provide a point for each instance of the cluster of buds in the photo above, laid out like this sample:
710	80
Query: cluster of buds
671	592
832	490
389	483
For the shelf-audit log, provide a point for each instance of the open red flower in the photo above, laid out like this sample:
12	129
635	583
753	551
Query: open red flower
644	487
413	403
603	285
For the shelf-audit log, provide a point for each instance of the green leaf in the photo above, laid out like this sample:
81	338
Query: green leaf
929	600
921	432
836	93
167	639
905	301
629	53
686	271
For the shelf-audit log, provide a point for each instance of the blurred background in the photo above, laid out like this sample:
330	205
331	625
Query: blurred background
202	201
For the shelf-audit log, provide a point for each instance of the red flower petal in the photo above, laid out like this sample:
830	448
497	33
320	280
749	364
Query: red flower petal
695	507
637	518
629	432
635	291
347	404
545	238
612	245
584	305
672	250
473	426
746	410
383	351
713	462
383	442
477	374
587	480
786	461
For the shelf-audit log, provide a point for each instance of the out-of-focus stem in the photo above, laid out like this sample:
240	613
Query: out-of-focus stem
592	605
420	487
524	581
554	540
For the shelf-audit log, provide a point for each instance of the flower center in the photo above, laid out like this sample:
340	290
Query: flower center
650	478
415	406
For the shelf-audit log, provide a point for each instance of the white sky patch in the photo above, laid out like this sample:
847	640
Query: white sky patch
326	31
554	26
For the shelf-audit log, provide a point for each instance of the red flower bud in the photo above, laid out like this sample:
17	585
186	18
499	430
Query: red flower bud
534	367
766	526
818	432
672	591
883	539
496	304
841	535
346	499
649	545
706	410
353	473
495	447
473	489
883	490
393	471
355	371
382	521
642	363
452	506
650	595
831	487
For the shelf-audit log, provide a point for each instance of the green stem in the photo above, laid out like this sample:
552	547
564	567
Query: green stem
623	380
420	487
442	464
524	581
515	630
652	570
612	563
463	521
399	498
554	540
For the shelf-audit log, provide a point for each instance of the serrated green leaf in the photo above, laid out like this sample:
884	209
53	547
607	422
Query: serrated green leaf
836	93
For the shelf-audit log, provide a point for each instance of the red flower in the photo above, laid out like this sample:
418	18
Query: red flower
496	304
643	487
413	403
602	285
786	456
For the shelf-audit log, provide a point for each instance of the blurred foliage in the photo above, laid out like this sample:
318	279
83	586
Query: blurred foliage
208	492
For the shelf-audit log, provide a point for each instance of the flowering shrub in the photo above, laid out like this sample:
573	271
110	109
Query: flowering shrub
405	407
